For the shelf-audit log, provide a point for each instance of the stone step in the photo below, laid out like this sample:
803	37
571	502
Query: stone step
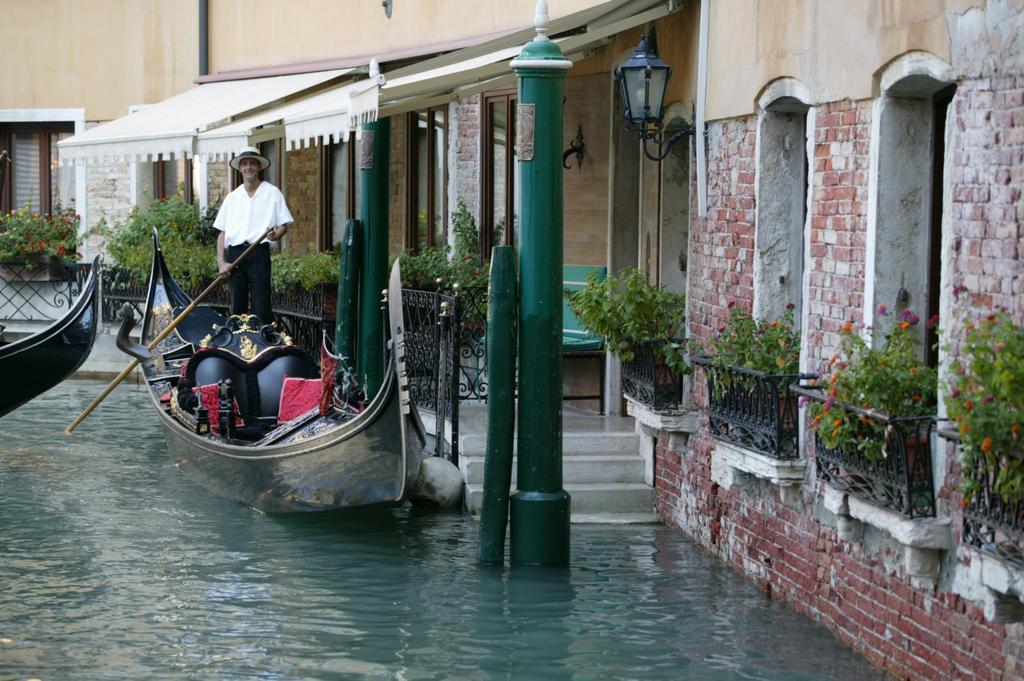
603	468
589	498
597	443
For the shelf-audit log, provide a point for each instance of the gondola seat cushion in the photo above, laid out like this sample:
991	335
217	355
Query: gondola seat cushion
298	396
258	383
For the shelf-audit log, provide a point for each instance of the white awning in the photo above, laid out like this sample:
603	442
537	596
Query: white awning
168	129
224	142
465	72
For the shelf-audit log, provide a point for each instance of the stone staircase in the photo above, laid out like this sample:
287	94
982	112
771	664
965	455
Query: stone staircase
602	469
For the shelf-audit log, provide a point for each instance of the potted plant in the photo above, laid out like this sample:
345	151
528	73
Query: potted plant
642	325
749	367
986	400
873	421
30	243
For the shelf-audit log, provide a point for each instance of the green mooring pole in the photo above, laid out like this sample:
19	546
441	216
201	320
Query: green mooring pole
373	164
540	507
347	309
501	404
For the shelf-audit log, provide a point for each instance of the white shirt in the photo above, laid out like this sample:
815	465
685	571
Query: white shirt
245	218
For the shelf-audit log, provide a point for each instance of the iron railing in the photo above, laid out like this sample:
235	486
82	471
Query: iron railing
39	292
648	380
991	525
433	338
901	480
752	409
304	315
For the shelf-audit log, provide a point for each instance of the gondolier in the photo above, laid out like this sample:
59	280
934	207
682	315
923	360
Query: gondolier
246	214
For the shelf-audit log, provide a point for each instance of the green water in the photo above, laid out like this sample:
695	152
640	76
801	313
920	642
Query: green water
115	566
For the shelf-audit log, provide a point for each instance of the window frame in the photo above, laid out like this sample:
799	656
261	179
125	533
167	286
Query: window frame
412	186
45	129
327	189
159	170
510	96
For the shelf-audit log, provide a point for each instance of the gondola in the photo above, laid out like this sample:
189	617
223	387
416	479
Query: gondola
32	365
219	389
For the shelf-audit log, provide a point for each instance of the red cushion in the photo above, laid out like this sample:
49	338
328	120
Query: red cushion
298	395
209	398
328	365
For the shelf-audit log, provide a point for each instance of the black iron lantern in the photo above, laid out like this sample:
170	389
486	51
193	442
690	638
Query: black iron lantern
642	80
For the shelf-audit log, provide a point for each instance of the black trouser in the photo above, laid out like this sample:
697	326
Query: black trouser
251	278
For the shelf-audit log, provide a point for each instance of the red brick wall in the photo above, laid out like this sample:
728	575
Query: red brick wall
303	195
861	592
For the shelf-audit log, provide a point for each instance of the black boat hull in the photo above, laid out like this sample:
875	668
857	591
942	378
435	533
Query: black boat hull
321	463
32	365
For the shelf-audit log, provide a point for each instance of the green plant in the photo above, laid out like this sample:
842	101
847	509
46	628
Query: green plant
627	310
303	271
29	236
762	345
986	398
892	381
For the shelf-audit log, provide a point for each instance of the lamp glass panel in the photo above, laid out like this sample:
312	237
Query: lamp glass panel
634	87
656	94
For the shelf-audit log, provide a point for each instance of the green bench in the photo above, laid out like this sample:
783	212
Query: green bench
577	342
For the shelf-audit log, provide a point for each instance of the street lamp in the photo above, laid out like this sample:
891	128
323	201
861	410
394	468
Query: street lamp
642	80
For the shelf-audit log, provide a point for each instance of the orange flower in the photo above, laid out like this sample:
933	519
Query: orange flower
833	359
964	428
835	377
837	421
1015	428
986	445
967	405
904	326
847	326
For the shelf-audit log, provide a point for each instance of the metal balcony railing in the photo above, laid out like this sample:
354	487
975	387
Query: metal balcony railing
752	409
648	380
39	292
901	480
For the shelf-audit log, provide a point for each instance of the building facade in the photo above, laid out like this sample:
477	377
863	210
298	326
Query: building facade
847	156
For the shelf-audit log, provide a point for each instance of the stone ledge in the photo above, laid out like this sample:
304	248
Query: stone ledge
787	474
921	538
653	423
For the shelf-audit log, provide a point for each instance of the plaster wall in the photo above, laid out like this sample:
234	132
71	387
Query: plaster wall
835	48
103	55
781	203
311	30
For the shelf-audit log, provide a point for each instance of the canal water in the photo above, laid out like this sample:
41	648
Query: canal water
115	566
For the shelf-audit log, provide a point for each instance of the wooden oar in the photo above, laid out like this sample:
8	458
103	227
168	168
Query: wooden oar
167	331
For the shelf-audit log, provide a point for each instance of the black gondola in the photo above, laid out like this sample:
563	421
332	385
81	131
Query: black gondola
32	365
338	454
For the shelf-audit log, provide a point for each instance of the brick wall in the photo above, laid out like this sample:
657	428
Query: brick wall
839	182
861	591
218	181
302	192
464	155
722	244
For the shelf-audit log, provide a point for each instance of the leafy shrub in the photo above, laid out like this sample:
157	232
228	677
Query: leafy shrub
627	310
762	345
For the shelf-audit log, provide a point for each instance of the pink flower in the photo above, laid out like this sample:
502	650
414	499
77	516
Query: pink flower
882	309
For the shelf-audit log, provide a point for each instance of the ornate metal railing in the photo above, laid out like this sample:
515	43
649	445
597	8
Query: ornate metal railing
471	323
39	292
752	409
648	380
992	525
303	315
901	480
432	350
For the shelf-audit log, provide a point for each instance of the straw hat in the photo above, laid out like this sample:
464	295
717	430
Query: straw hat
250	152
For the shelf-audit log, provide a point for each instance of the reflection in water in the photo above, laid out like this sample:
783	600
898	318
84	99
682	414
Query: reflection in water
113	565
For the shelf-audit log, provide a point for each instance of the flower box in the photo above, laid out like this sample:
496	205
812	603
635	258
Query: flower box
899	480
649	380
42	270
752	409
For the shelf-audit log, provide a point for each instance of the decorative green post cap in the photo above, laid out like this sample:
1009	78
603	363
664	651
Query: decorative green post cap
541	52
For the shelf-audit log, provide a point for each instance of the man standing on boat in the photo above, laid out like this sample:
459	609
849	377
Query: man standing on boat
246	214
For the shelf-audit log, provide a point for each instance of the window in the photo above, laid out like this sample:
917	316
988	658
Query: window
500	180
340	191
427	179
167	175
35	176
